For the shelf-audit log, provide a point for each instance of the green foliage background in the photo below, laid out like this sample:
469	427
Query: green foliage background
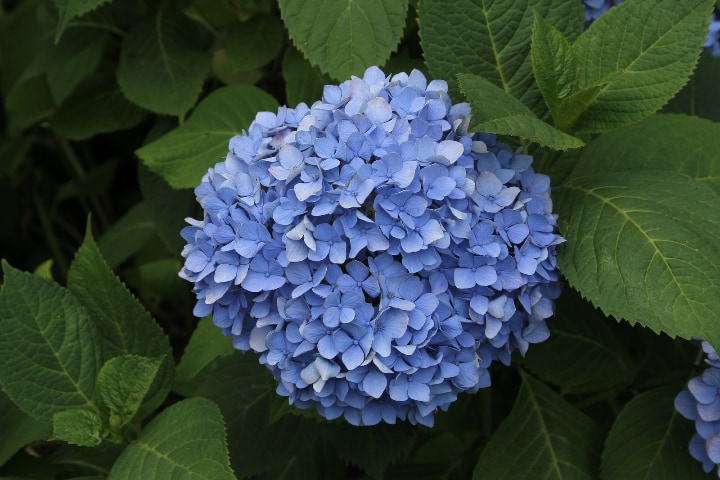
113	110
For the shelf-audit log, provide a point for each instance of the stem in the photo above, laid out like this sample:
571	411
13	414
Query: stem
79	170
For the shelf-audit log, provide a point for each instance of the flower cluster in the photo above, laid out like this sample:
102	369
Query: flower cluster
374	254
713	37
701	403
595	8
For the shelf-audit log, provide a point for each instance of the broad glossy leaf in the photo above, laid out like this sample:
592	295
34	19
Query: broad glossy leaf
649	441
161	68
186	440
543	437
345	37
644	52
643	246
71	9
18	428
496	111
124	324
242	388
97	106
50	351
255	42
553	63
303	82
701	95
126	236
491	38
183	156
122	384
580	335
166	207
371	448
675	143
206	344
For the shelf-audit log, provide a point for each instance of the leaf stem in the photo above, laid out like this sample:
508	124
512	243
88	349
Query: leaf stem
50	235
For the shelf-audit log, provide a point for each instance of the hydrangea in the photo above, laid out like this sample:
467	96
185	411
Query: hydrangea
595	8
700	402
375	255
713	37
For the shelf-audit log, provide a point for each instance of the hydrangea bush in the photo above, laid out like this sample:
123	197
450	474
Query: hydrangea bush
375	254
371	262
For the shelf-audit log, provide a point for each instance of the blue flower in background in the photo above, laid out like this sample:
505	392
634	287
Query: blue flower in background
595	8
701	403
713	37
375	255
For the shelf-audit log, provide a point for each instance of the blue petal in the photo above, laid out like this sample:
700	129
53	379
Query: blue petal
374	383
353	357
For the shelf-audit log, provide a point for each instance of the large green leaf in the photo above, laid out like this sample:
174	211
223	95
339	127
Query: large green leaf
496	111
97	106
643	246
677	143
206	344
126	236
580	335
649	441
124	324
553	63
18	429
701	96
303	82
70	9
254	42
491	38
50	351
344	37
161	68
371	448
183	156
186	440
543	437
241	388
644	52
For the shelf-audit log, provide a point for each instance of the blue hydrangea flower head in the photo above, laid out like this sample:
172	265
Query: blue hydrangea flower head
595	8
700	402
373	253
713	37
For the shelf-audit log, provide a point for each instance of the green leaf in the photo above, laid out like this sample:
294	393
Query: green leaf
79	426
166	207
675	143
371	448
125	326
161	68
126	236
553	63
490	38
49	349
206	344
70	9
345	37
303	82
255	42
642	245
644	52
97	106
700	96
649	441
543	437
186	440
18	429
122	384
498	112
580	335
183	156
242	388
